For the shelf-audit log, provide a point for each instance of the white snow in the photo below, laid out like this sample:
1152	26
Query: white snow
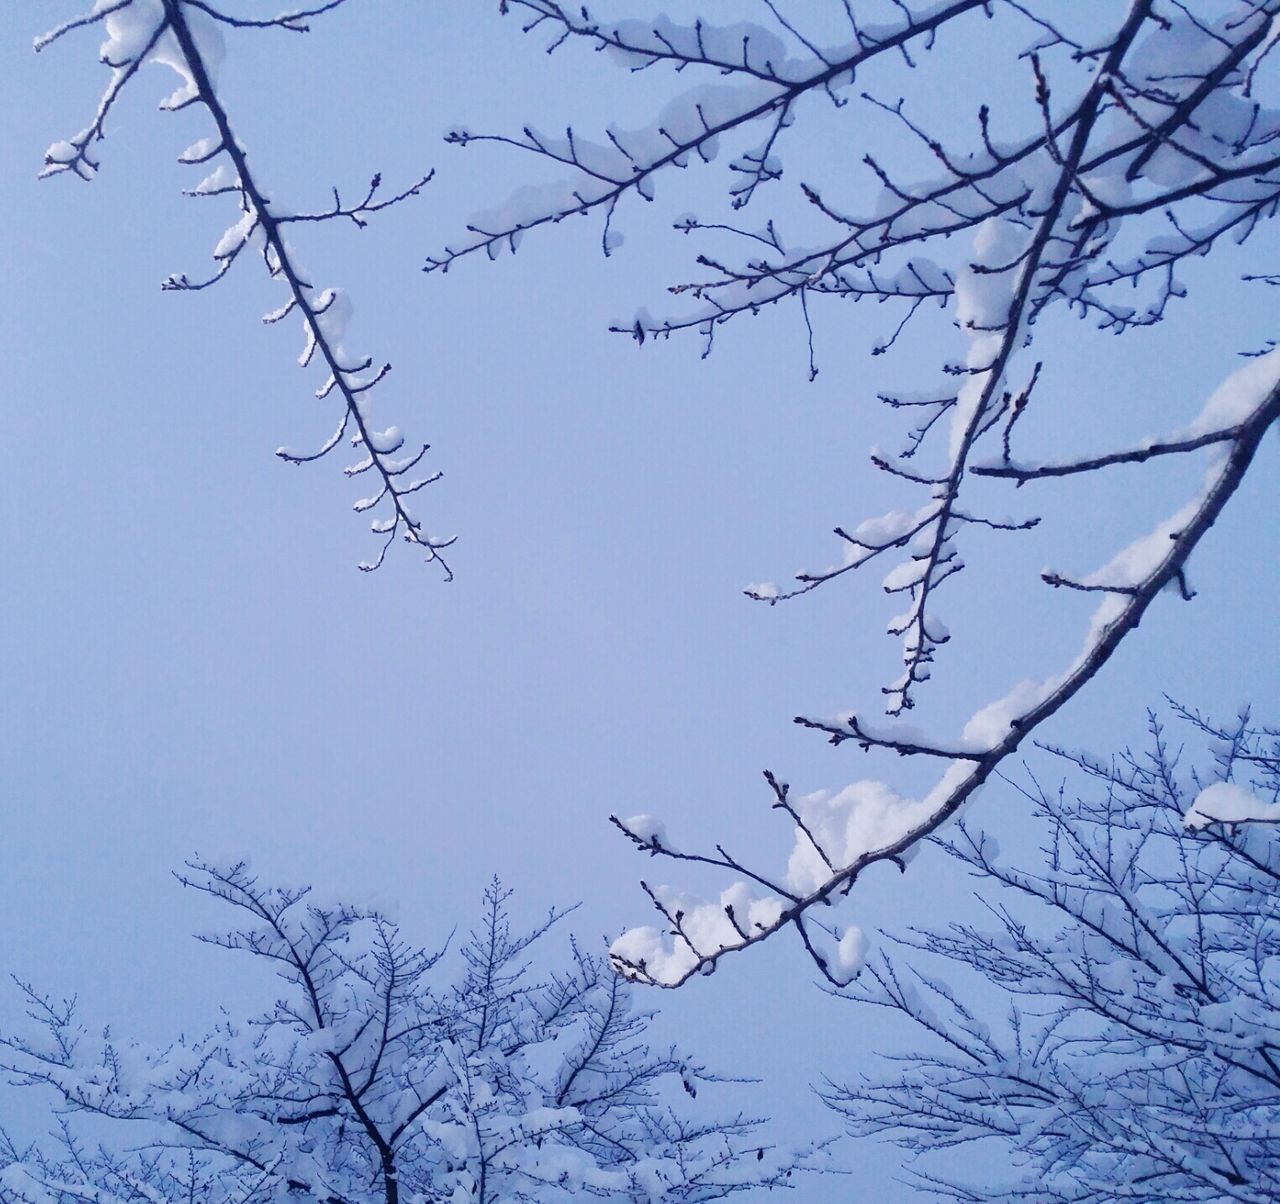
1237	397
333	309
707	926
1227	803
991	724
864	817
851	953
200	150
648	829
842	958
236	235
983	301
222	176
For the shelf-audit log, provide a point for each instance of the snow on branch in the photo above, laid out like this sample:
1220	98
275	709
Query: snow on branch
185	36
837	837
687	130
1227	803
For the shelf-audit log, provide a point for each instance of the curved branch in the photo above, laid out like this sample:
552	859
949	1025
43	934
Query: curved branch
1117	617
281	264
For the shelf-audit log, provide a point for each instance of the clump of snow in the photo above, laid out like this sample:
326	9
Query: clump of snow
852	952
1129	567
649	830
888	528
707	927
984	294
844	958
129	29
1227	803
1238	396
221	177
991	724
840	957
200	150
751	911
863	817
904	576
209	45
650	952
236	235
385	442
60	154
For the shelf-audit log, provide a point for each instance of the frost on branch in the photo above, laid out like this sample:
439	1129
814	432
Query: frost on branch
186	36
1136	1051
1119	143
381	1075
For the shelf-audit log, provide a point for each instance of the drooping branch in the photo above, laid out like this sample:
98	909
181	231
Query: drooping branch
164	33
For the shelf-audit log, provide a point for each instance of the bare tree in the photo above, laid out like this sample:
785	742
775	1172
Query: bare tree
187	36
1145	141
1139	1057
366	1082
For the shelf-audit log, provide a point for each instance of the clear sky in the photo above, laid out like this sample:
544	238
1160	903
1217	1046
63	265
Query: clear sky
191	661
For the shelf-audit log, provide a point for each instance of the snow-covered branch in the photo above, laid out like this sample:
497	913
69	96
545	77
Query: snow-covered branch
1151	145
185	36
836	838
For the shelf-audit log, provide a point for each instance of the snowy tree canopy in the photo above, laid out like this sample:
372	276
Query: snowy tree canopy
368	1080
1138	1056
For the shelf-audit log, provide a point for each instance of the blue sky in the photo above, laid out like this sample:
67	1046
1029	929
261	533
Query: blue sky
193	662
